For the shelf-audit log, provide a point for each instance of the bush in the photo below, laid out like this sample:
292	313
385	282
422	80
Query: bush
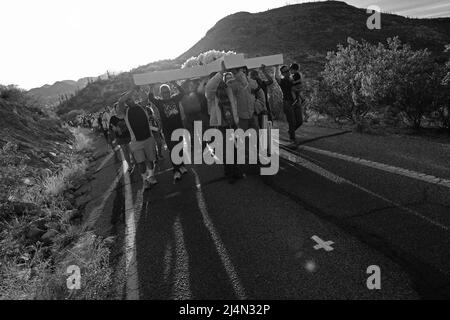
39	237
12	93
363	79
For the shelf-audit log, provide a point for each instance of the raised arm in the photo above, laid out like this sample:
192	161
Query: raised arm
269	79
213	84
151	96
211	89
180	93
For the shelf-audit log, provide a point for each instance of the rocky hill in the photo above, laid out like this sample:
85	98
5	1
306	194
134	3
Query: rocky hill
51	95
306	32
303	33
23	123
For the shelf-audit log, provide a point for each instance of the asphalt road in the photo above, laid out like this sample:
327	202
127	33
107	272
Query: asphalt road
204	238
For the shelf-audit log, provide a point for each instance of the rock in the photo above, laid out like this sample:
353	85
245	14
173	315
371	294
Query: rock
52	225
27	182
71	215
48	237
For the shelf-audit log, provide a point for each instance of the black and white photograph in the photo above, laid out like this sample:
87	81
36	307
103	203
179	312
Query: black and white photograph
224	159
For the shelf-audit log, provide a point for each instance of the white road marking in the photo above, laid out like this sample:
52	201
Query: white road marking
326	245
182	287
381	166
172	195
132	284
168	256
398	205
394	203
221	250
163	172
310	166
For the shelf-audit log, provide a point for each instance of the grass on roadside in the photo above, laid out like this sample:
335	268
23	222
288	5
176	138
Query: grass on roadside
82	141
38	238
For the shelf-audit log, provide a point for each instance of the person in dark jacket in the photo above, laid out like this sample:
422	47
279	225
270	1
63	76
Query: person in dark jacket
292	111
170	114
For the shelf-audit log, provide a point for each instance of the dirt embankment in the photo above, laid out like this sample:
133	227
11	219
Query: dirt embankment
43	167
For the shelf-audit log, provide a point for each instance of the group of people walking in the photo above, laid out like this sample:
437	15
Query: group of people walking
236	98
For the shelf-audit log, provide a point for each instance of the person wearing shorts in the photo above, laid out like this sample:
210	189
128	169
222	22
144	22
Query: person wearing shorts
121	136
142	143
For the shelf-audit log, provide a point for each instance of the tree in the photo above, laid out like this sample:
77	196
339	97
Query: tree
406	79
362	78
344	80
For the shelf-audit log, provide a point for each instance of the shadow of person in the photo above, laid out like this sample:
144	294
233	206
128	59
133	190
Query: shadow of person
176	256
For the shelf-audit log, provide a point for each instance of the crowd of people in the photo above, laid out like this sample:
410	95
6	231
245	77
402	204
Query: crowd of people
141	123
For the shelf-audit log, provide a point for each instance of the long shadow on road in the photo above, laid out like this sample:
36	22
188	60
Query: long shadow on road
176	256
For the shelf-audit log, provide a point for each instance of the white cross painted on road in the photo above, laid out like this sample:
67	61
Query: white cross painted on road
326	245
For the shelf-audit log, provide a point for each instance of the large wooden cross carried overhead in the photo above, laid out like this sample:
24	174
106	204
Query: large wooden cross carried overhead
231	61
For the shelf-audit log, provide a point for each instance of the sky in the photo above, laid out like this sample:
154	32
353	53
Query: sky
50	40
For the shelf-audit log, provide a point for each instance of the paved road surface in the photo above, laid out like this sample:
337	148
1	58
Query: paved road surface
204	238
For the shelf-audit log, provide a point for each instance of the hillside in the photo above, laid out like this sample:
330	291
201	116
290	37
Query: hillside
51	94
26	125
303	33
306	32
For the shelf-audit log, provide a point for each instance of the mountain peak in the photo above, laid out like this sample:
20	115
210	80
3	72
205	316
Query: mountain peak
305	32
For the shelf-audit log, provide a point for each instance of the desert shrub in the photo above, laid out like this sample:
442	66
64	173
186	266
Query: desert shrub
12	93
12	170
20	280
55	184
362	79
30	267
92	255
72	115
